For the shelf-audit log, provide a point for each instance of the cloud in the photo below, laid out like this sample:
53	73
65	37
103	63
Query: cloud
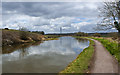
59	0
50	10
50	16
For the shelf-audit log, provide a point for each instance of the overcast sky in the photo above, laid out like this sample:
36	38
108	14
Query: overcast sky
50	16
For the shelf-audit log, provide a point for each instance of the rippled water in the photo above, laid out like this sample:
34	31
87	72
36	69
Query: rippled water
47	57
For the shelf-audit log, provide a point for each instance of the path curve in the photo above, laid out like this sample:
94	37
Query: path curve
103	62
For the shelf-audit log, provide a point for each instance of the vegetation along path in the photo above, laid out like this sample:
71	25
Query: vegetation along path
103	62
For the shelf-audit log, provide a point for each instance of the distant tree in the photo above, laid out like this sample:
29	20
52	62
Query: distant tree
42	32
96	35
110	14
81	34
39	32
86	34
6	28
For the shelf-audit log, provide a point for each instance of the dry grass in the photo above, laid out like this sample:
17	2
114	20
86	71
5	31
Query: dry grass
14	36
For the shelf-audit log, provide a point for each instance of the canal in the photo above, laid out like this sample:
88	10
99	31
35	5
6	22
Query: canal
47	57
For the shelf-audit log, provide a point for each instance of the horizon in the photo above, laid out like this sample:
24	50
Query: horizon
64	32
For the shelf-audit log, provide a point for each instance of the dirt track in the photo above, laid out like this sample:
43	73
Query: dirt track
103	62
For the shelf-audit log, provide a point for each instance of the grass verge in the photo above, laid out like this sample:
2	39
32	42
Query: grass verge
82	62
51	37
111	46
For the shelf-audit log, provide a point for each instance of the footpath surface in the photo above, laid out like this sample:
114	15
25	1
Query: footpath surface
103	61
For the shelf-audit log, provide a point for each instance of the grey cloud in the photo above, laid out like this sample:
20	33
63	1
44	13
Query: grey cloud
44	12
49	9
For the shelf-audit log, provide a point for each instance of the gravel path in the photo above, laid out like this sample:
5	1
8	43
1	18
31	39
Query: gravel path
103	62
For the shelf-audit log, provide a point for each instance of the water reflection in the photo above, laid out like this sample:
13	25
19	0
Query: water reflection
10	49
47	57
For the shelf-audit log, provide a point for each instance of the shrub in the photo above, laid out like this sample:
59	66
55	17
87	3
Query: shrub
24	34
6	29
96	35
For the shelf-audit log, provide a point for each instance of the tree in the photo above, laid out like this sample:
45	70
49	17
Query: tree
110	14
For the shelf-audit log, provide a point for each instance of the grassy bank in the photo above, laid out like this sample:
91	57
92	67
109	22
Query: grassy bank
10	37
111	46
82	63
52	37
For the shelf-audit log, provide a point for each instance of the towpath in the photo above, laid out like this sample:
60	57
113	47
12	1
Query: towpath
103	61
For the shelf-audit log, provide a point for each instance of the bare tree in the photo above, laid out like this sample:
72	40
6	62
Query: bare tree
24	33
110	14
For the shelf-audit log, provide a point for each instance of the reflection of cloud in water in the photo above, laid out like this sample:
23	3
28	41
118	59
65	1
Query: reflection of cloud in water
51	63
55	53
64	46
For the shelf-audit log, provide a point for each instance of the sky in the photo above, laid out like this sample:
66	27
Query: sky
51	16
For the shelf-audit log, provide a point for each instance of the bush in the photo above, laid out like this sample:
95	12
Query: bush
39	32
96	35
6	29
81	34
24	33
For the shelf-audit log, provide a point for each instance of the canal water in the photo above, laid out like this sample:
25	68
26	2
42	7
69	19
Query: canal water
47	57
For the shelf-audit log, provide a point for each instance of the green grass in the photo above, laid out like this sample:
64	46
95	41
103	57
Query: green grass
111	46
51	37
82	62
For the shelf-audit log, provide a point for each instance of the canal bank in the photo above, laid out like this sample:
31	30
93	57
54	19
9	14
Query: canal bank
11	37
109	62
112	46
103	62
83	62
